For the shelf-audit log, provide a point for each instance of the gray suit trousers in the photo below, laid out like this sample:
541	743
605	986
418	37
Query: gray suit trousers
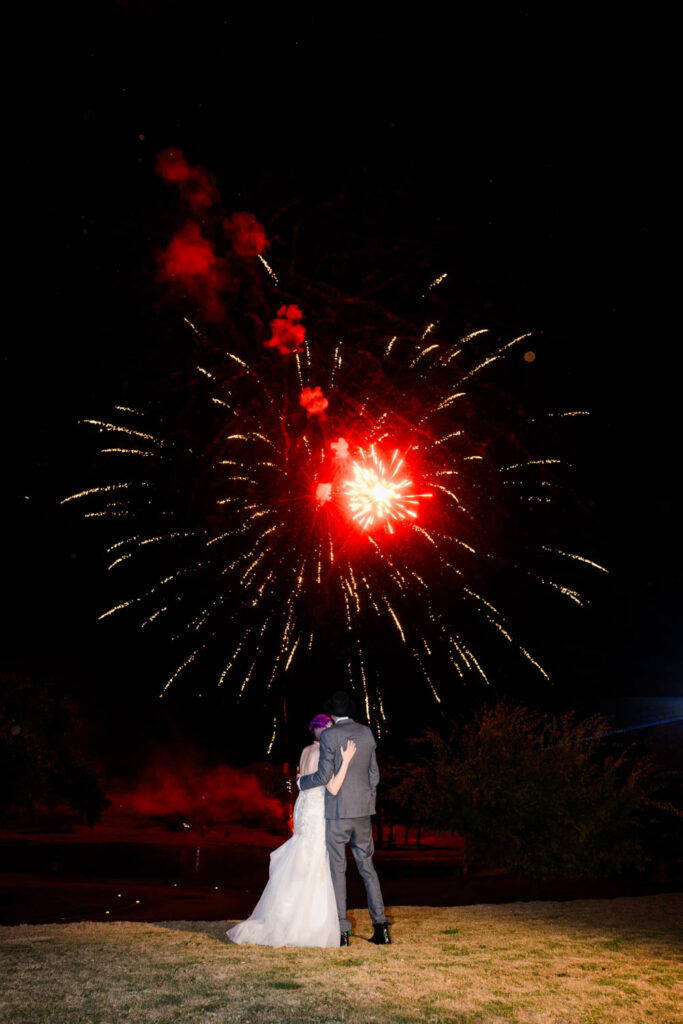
357	833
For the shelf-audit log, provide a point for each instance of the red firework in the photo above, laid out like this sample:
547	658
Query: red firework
304	468
379	492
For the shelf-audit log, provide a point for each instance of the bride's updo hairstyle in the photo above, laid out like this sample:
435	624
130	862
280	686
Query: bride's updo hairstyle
319	722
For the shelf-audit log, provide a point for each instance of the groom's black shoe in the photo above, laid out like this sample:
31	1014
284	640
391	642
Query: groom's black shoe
344	939
381	935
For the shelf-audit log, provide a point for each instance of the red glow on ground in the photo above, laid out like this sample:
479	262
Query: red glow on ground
183	786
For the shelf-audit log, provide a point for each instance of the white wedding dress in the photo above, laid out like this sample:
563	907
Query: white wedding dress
297	906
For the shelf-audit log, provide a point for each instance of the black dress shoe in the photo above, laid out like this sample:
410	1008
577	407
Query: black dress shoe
344	939
381	935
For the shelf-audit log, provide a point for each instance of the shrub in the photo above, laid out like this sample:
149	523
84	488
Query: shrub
541	795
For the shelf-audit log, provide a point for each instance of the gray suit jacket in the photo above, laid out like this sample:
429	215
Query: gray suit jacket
356	798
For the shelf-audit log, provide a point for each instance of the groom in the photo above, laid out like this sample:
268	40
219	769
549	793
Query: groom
348	813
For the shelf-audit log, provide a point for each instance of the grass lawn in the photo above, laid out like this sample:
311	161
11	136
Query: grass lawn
582	962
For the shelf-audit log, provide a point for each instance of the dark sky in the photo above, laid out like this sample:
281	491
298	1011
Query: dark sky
528	154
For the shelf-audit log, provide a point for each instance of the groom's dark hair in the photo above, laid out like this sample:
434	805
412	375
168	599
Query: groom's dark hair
339	704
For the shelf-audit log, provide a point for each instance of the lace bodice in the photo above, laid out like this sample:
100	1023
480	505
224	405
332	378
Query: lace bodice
309	814
309	809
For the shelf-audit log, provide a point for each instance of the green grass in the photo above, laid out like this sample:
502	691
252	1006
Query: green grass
582	962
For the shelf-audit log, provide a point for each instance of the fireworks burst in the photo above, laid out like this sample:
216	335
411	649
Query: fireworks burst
378	493
320	503
357	529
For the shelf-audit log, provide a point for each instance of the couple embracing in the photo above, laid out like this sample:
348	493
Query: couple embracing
304	902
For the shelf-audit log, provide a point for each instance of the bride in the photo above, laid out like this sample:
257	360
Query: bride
297	906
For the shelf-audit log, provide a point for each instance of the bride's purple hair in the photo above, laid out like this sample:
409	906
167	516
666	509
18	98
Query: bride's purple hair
320	722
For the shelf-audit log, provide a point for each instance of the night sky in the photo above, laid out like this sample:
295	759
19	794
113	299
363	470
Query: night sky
527	155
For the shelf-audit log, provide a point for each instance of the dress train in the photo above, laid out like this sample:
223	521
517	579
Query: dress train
297	906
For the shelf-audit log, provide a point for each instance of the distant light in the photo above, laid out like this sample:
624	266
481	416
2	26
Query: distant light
529	356
107	911
137	901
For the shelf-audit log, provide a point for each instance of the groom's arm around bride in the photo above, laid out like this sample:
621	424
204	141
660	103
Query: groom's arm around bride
357	796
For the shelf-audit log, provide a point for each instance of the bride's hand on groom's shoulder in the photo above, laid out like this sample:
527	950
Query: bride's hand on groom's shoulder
348	751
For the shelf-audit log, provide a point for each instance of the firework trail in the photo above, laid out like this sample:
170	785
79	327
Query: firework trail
331	503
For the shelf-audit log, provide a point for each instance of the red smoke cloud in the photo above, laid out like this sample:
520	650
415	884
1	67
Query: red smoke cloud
190	263
248	237
340	448
188	254
172	166
313	400
288	335
196	184
223	794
